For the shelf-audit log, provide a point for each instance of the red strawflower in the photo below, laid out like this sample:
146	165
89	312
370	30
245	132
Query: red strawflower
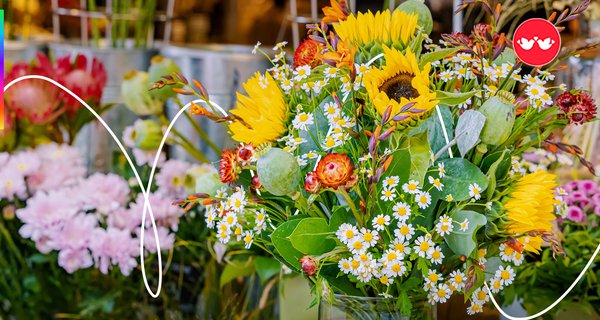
578	108
334	170
309	265
256	182
245	152
228	167
85	78
308	53
311	183
34	100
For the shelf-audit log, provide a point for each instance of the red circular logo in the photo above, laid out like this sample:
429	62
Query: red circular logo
536	42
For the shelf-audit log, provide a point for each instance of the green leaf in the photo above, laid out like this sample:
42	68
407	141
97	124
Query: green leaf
433	125
453	98
283	245
462	242
468	129
491	174
437	55
341	282
239	267
266	268
312	237
419	156
460	173
340	216
404	304
503	167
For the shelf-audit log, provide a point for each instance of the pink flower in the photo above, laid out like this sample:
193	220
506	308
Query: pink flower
4	156
12	184
35	100
171	177
166	239
596	199
165	214
86	80
76	233
125	219
104	192
588	186
73	260
114	247
575	214
61	166
26	162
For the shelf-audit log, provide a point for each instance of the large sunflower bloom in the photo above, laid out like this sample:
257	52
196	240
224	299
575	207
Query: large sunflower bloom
398	83
530	206
262	109
382	27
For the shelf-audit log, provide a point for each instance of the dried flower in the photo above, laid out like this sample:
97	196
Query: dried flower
578	108
228	167
309	265
311	183
334	170
308	53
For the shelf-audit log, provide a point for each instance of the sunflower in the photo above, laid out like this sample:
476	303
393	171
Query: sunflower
262	110
399	83
530	206
382	27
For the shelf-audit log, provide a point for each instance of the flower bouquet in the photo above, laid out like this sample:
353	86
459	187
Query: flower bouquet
385	168
541	282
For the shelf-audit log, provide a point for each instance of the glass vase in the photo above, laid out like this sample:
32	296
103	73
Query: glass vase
373	308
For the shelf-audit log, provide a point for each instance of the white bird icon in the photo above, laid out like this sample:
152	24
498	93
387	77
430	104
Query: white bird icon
546	43
526	44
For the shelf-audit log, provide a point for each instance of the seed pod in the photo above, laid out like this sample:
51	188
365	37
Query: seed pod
161	67
499	112
279	172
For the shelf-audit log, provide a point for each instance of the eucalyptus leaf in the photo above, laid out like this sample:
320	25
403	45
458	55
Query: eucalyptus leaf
420	154
460	173
312	236
462	242
283	245
453	98
468	129
235	269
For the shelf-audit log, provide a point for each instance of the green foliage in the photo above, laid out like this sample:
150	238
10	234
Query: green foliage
463	242
312	236
282	243
460	173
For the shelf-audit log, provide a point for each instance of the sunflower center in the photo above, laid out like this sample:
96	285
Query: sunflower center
400	86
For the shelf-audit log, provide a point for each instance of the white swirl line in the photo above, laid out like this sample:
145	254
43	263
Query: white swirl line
145	191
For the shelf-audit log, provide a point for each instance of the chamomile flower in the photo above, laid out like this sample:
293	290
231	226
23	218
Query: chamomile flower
457	279
506	252
260	227
230	219
400	247
302	72
302	121
331	141
449	198
286	85
224	237
518	258
380	222
356	245
404	231
210	215
248	239
330	72
237	202
256	46
388	194
318	86
385	280
442	293
221	193
423	246
346	232
423	199
436	256
263	82
475	308
301	161
395	269
433	277
369	237
401	211
475	191
238	232
332	111
391	182
481	253
390	256
480	295
464	225
345	266
496	285
436	183
447	75
361	68
444	228
286	270
411	187
506	275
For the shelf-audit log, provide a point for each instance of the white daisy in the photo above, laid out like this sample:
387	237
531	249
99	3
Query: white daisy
442	293
449	198
401	247
356	245
380	222
302	72
388	194
411	187
369	237
496	285
475	191
391	182
423	246
480	295
248	238
436	183
345	266
474	308
346	232
444	228
464	225
404	231
506	275
457	278
436	256
330	72
401	211
256	46
302	121
423	199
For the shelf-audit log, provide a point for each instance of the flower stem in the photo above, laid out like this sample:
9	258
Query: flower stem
351	204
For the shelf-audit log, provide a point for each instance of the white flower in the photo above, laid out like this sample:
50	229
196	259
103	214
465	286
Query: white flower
388	194
330	72
496	285
391	182
390	256
449	198
506	275
356	245
361	69
210	214
404	231
230	219
423	246
395	269
346	232
280	45
442	293
332	111
475	307
446	75
369	237
436	256
518	258
302	72
221	193
436	183
475	191
506	252
433	277
380	221
248	238
301	161
345	266
401	211
224	237
263	82
464	225
318	85
423	199
444	228
286	85
256	46
411	187
302	121
401	247
480	295
457	279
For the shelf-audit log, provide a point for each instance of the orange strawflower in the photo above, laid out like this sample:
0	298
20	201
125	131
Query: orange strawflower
308	53
343	56
338	11
228	166
334	170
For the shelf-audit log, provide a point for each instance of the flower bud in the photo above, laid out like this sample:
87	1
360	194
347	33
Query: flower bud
311	183
202	179
136	94
279	172
499	112
147	135
162	66
309	265
256	182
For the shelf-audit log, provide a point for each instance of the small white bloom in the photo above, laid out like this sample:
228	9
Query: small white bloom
464	225
475	191
401	211
302	72
423	199
302	121
496	285
457	279
411	187
442	293
346	232
256	46
480	295
506	275
388	194
380	222
423	246
248	238
436	183
391	181
436	256
369	237
404	231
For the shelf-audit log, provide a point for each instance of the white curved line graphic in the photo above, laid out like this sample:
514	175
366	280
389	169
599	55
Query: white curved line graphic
145	190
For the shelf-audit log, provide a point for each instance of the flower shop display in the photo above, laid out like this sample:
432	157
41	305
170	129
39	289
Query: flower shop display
40	112
541	282
386	168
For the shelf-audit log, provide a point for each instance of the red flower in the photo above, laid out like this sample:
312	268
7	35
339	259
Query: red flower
311	183
245	152
87	80
309	265
256	182
34	100
228	167
578	108
308	53
334	170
